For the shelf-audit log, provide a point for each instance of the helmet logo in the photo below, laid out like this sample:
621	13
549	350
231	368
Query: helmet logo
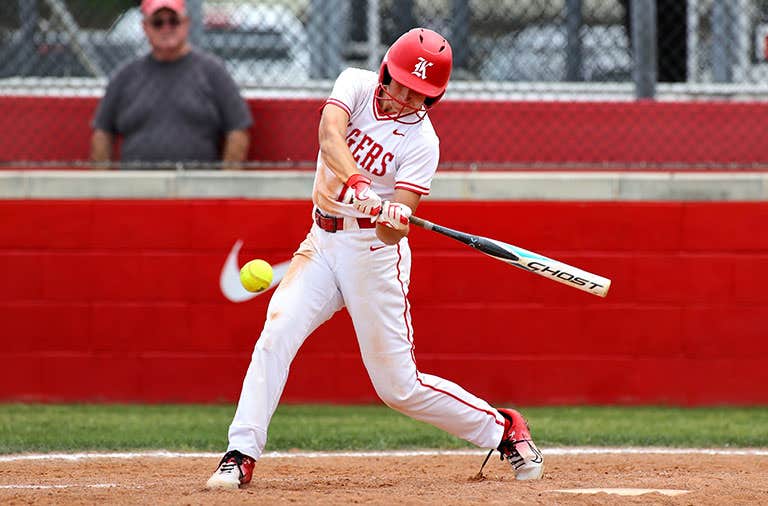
420	69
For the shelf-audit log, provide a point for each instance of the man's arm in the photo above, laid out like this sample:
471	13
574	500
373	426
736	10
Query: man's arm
101	147
235	149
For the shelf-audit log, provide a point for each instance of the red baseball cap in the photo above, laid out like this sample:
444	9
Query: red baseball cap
149	7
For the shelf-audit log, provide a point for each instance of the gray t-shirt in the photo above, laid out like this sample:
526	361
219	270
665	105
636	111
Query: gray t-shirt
172	111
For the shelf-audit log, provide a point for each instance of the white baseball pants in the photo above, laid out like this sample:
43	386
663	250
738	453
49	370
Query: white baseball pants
330	271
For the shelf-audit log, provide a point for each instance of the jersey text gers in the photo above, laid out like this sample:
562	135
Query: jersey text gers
393	155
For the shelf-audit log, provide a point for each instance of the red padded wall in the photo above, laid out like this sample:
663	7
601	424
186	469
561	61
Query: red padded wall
119	301
495	132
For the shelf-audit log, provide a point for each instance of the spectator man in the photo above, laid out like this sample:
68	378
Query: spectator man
175	104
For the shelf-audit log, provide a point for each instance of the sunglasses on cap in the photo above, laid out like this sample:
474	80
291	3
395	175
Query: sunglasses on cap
172	21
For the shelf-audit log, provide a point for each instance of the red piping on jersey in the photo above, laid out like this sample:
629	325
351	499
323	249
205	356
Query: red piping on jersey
413	347
422	190
338	103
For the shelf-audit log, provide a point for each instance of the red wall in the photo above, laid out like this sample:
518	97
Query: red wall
119	300
49	128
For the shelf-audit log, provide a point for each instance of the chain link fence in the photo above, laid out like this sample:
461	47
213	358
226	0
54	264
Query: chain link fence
513	50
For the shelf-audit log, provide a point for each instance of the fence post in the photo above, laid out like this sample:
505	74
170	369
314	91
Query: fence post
459	36
722	70
326	33
195	13
23	51
28	18
643	14
374	34
573	22
402	11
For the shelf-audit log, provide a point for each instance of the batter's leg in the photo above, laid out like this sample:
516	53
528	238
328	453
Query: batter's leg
306	298
376	294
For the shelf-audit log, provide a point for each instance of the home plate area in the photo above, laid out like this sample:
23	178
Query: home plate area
572	476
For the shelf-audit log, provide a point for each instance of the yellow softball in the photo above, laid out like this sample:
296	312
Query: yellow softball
256	275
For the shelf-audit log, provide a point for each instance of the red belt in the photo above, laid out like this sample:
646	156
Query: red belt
333	224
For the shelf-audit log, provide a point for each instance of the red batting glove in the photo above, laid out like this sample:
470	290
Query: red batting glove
364	199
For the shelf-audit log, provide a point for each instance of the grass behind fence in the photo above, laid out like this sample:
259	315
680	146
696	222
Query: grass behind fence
108	427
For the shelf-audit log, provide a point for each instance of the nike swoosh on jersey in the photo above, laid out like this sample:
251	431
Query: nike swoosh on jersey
229	280
396	132
374	248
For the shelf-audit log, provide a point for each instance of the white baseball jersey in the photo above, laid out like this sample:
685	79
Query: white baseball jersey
392	154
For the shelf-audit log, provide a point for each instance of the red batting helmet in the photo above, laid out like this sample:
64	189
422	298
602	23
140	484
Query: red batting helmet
421	60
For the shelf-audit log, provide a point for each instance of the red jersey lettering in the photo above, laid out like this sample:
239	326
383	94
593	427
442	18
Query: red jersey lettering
371	157
363	143
388	157
352	136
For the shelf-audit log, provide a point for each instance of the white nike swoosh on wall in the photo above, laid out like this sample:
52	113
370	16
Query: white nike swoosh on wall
229	280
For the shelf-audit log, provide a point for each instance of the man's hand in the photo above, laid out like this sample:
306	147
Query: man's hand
364	199
394	215
101	148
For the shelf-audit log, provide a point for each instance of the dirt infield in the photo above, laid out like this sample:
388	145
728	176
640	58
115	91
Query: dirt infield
424	479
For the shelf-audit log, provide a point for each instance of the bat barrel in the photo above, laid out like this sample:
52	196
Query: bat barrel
526	260
559	271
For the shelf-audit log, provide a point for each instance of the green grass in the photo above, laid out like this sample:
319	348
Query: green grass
45	427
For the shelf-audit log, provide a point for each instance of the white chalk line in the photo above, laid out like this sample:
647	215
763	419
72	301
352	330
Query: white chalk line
49	487
621	491
384	454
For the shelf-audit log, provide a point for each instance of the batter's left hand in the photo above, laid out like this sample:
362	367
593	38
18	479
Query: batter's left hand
394	215
364	198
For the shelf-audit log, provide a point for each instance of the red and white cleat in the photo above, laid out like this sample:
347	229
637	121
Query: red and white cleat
518	448
235	469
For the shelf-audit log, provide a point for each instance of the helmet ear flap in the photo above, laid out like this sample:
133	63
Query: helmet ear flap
385	77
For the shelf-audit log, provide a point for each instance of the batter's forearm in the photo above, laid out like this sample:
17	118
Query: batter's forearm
337	157
388	235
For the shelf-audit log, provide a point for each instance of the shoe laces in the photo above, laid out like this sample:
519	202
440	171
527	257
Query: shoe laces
229	463
508	451
229	466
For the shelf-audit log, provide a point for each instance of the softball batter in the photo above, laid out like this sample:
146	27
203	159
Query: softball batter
378	154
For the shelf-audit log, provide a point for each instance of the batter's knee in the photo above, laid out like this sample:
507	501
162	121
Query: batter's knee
398	397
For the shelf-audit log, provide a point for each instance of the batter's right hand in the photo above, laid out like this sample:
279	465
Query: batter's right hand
364	199
394	215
